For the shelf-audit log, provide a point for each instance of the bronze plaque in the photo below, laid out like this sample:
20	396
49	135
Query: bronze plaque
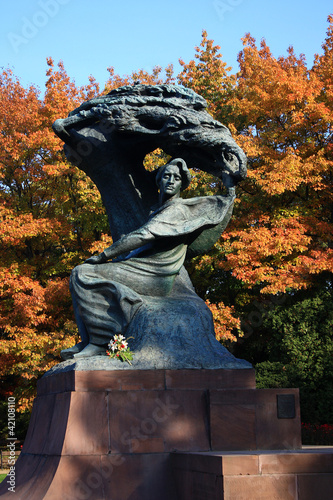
286	407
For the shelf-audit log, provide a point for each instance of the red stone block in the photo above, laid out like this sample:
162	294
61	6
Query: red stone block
176	417
209	462
101	441
248	420
149	445
59	382
58	424
87	381
148	380
120	380
139	477
256	475
301	462
79	478
240	465
272	487
39	433
315	486
275	433
210	379
183	480
34	474
233	397
198	485
87	430
233	427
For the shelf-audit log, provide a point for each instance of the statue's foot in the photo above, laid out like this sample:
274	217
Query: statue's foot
69	353
91	350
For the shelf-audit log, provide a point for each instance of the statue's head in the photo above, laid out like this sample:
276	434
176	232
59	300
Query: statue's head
176	168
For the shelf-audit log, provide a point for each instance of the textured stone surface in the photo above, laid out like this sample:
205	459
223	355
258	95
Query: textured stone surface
302	475
163	361
248	419
113	434
125	380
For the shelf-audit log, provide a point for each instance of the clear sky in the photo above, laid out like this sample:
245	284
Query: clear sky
91	35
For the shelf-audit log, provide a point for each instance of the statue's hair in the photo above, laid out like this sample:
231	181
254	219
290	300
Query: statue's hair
184	172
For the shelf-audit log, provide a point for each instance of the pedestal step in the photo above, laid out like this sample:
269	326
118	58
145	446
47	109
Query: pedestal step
102	435
305	474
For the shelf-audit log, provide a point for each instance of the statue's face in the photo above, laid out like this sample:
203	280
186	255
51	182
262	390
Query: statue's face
171	181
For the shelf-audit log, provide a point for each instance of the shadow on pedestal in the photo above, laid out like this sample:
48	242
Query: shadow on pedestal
161	434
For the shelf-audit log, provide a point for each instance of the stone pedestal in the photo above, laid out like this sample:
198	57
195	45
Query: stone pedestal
128	435
305	474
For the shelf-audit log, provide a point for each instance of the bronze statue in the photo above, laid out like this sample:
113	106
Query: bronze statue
138	286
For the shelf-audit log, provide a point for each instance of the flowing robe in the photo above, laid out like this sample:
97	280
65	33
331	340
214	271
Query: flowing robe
107	296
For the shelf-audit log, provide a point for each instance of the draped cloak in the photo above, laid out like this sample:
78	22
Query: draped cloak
107	296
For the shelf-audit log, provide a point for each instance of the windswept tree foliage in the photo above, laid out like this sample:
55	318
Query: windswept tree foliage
278	242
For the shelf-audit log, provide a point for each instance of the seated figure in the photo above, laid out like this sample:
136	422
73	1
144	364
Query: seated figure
108	289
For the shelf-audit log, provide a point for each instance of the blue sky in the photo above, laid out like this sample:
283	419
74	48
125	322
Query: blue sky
91	35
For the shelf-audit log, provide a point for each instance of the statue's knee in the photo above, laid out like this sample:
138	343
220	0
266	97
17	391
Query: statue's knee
76	274
72	278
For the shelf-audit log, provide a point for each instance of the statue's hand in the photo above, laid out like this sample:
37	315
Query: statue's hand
96	259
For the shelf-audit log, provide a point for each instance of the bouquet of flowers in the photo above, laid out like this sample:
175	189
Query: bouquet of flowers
118	348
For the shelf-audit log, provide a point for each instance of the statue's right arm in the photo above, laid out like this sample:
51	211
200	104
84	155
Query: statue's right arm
125	244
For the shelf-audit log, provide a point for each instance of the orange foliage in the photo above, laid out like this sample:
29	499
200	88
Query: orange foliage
283	121
208	76
141	76
225	323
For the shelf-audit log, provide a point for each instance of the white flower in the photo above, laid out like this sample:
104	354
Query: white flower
118	343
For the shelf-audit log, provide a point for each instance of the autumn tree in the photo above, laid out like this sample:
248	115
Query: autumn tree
281	115
278	246
156	77
208	75
282	242
37	235
52	219
51	216
284	235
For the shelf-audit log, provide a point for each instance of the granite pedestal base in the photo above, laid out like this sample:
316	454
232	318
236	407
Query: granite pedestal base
305	474
114	435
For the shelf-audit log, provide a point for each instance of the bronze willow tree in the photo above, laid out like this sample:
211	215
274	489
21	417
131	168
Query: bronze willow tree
108	138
